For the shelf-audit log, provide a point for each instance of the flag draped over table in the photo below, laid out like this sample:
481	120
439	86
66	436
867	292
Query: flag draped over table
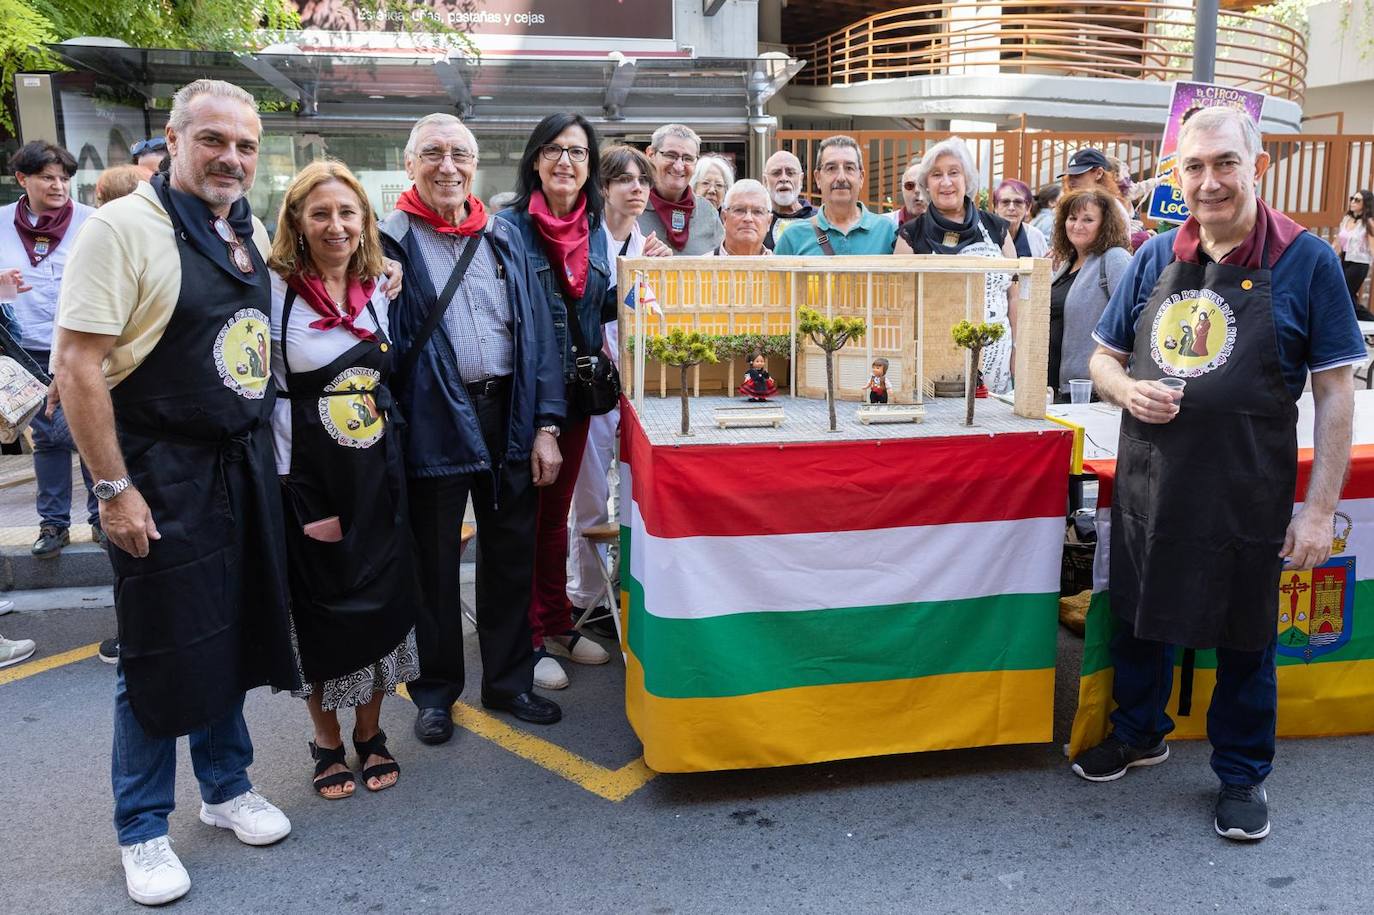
1326	628
799	603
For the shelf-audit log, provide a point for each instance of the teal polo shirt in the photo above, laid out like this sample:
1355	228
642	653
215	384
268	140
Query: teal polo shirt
872	234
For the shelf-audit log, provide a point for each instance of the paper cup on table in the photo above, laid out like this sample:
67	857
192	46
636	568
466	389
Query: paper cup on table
1080	390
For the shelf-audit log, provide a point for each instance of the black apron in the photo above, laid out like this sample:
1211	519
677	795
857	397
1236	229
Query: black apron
204	616
352	601
1202	503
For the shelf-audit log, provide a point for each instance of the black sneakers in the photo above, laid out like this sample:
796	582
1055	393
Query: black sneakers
1242	813
1110	759
51	540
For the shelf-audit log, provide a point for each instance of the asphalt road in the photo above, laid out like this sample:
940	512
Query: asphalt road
472	827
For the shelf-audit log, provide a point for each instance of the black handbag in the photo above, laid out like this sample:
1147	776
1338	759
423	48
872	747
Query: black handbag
595	385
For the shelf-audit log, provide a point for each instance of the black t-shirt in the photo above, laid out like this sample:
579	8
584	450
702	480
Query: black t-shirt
1059	294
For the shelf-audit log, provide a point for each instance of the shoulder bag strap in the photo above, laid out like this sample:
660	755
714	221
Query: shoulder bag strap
441	304
1102	275
822	238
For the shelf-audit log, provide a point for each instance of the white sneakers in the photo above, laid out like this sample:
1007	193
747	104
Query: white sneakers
152	871
548	674
12	651
254	819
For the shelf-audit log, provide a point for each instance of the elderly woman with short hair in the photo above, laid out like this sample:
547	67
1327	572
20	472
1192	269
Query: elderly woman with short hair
746	215
1012	200
953	224
712	180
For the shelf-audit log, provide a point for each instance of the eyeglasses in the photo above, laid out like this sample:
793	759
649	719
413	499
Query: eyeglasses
553	152
1011	202
756	212
908	185
459	156
684	158
627	180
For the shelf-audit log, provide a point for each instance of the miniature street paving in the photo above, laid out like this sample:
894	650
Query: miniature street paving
516	818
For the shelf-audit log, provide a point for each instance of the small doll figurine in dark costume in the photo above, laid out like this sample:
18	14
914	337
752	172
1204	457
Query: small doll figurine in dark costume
877	382
758	384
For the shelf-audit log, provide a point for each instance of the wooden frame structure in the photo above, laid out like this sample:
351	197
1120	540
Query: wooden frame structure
908	302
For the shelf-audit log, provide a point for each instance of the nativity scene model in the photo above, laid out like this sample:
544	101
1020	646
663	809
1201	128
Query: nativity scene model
875	331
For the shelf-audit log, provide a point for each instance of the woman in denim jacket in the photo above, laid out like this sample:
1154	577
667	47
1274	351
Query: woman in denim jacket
558	215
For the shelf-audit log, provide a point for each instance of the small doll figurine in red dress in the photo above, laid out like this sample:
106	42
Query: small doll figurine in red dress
877	382
758	384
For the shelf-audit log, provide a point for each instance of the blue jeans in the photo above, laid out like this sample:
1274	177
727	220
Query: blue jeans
143	769
1240	721
52	465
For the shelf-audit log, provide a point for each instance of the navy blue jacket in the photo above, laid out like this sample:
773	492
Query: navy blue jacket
442	436
597	305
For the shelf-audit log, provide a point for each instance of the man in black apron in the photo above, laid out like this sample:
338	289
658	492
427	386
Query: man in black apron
165	364
1239	305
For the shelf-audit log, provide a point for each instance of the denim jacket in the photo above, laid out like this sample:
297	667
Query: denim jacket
442	435
597	305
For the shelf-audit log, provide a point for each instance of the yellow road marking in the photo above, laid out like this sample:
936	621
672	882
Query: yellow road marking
20	671
612	784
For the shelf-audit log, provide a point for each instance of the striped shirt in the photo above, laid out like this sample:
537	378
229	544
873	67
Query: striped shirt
479	322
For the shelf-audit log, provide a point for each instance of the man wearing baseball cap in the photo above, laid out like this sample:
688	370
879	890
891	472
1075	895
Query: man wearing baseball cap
148	155
1089	168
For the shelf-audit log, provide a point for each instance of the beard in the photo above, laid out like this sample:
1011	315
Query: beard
198	183
784	200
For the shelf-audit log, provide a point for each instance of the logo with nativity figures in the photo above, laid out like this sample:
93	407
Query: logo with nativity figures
1194	333
243	353
1316	608
353	419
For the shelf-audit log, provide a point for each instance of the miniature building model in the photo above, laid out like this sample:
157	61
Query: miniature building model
908	303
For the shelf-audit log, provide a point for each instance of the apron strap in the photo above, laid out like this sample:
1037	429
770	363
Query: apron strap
1185	682
286	322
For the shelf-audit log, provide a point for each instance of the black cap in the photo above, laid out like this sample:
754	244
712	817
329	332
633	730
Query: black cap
1085	160
155	144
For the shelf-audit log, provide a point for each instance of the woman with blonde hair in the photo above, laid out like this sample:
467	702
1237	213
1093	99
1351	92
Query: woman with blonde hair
343	486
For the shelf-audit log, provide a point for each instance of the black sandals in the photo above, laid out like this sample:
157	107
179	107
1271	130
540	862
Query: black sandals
324	758
375	747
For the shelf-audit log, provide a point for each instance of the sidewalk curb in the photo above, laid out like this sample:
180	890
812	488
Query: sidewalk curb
81	565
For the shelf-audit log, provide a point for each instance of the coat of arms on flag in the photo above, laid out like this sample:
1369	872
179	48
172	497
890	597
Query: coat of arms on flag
1316	609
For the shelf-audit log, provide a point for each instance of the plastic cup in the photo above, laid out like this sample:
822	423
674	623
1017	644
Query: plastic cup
1174	384
9	290
1080	390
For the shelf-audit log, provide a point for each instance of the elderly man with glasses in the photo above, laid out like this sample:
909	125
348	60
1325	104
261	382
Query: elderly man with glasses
843	225
481	382
782	173
675	214
746	213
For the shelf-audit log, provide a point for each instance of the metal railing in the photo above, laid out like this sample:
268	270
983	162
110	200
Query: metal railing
1133	40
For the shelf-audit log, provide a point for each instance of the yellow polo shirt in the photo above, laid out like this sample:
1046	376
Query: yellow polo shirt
123	278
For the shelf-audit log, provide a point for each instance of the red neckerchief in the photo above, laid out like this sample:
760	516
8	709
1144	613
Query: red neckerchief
47	232
567	241
1271	227
665	209
311	290
410	202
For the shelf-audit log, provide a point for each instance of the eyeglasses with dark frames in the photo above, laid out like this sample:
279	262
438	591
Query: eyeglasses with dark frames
552	152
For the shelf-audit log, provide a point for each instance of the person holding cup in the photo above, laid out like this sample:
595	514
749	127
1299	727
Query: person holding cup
1091	251
1242	304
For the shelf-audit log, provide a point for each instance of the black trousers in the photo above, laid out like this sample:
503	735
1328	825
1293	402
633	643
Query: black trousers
506	511
1354	278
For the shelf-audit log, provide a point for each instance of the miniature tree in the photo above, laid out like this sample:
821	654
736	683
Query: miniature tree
973	337
683	350
830	335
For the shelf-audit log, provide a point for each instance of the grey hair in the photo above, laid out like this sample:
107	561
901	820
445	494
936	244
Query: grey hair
706	163
956	147
1213	120
843	141
441	118
681	131
743	187
180	118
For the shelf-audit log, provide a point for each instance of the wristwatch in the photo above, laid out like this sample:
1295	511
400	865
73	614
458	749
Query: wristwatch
552	430
105	490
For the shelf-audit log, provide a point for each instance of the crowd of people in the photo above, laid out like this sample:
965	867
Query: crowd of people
284	431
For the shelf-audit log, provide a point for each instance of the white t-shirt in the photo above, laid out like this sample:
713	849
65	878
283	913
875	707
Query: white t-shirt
310	349
610	331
